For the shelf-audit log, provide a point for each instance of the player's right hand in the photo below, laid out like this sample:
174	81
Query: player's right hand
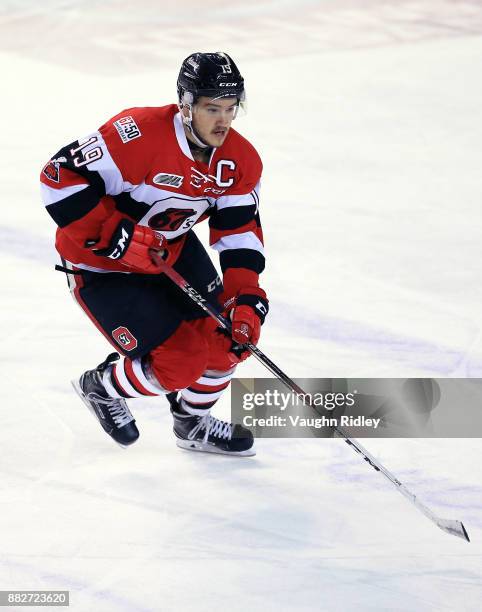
131	244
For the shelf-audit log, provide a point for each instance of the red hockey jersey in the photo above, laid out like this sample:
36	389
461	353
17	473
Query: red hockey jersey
139	166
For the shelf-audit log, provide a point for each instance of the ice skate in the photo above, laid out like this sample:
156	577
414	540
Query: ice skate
112	413
208	434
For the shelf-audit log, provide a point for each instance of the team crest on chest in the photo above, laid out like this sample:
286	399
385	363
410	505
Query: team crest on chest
172	219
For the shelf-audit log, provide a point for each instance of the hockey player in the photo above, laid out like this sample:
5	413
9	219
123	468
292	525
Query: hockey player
137	186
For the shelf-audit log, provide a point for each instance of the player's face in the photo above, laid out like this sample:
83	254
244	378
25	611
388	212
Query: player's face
212	119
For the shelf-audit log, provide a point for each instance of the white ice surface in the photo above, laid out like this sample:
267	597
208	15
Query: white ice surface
368	116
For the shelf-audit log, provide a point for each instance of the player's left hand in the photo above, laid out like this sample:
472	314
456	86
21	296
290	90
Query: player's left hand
247	311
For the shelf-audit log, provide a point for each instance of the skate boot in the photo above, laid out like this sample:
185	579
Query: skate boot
111	412
208	434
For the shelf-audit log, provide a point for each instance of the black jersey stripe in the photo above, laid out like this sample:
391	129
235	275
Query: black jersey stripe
255	196
202	406
125	203
232	217
117	387
74	207
242	258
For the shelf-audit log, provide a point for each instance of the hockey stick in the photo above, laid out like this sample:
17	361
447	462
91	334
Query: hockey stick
452	527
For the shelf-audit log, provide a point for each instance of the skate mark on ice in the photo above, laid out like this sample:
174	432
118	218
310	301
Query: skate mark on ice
25	245
58	581
377	341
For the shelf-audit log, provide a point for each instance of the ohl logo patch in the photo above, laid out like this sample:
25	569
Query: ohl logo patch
124	338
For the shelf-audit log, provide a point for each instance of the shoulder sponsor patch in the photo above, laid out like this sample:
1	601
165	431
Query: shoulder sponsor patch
127	129
172	180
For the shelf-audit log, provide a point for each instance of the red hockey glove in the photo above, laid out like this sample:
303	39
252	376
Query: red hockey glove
247	312
130	244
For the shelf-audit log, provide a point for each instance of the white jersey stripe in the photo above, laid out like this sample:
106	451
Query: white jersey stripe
71	279
247	199
214	382
142	378
92	269
51	196
200	398
106	381
246	240
148	194
124	381
256	195
105	166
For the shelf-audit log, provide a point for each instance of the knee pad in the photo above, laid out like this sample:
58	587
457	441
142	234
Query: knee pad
181	359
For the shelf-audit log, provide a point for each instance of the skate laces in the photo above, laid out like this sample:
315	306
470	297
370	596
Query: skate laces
117	408
213	426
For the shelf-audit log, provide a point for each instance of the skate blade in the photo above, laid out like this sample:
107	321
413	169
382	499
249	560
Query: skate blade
80	393
203	447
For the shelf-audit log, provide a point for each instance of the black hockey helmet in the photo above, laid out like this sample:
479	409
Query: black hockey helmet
213	75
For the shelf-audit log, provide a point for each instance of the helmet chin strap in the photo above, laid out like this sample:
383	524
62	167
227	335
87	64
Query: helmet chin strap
187	121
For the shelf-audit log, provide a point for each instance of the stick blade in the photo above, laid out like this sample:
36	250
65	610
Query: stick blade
455	528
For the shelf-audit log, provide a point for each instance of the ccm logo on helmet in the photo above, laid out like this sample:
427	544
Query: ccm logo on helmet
227	84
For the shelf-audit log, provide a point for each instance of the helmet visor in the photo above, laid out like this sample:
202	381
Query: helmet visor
238	108
225	108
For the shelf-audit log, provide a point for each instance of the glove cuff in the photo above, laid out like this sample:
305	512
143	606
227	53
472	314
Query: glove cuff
255	298
119	242
234	279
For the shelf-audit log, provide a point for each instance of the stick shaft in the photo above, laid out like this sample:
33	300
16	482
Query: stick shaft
449	526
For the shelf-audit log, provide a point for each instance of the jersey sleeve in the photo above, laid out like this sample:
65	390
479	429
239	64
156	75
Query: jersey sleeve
77	181
236	233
